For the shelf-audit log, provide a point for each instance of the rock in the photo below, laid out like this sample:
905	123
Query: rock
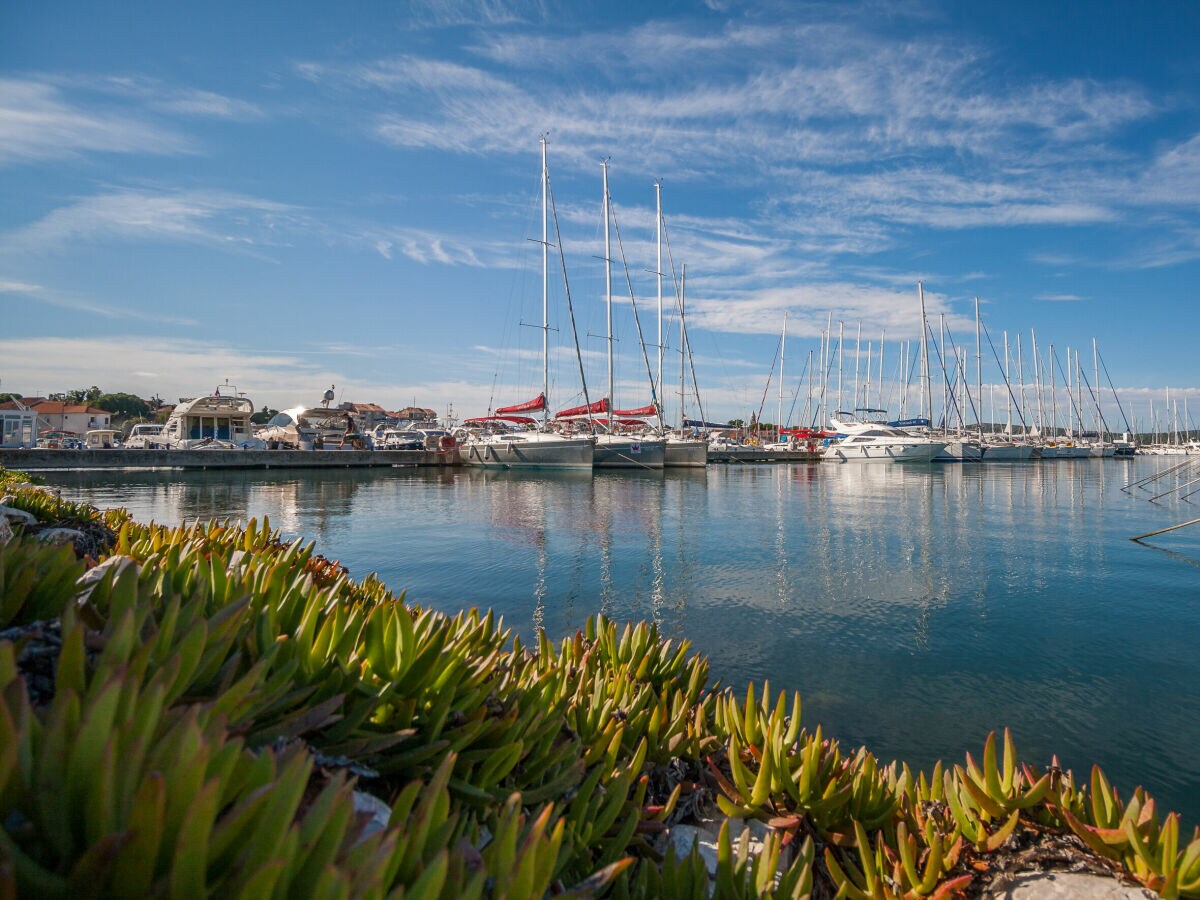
89	579
683	837
1067	886
61	536
375	809
17	516
6	532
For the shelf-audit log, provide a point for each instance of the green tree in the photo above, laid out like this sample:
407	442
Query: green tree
264	415
124	406
89	396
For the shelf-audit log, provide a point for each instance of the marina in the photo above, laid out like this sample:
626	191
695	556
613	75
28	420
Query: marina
915	607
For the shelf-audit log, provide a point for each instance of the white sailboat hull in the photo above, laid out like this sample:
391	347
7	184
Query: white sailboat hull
619	452
1008	453
685	454
527	452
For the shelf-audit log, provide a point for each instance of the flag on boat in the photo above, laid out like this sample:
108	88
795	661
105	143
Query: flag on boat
647	410
600	406
537	404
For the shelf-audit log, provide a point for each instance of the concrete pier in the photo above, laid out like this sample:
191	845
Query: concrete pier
223	459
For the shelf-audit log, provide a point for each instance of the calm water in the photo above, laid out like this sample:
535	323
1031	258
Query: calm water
915	608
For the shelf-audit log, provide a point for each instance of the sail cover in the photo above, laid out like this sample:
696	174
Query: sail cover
599	406
647	410
537	404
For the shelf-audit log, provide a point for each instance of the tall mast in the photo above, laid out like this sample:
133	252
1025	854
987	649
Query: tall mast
1037	381
867	385
545	291
659	271
927	399
1021	379
945	376
979	376
841	332
882	336
857	358
1053	397
1008	384
1096	386
608	294
782	357
683	346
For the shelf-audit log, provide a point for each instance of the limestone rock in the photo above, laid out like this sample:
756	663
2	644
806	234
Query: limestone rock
115	564
61	535
17	516
1068	886
375	809
6	532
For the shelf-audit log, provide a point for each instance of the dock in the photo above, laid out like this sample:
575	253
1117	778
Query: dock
122	458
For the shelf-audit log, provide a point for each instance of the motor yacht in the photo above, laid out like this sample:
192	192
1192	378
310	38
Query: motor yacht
877	442
220	421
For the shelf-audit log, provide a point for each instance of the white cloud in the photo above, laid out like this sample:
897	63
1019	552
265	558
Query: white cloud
37	123
193	216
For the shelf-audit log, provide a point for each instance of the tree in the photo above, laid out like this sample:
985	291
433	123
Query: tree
90	396
735	423
264	415
125	406
4	398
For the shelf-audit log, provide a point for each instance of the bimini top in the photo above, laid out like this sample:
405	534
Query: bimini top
215	405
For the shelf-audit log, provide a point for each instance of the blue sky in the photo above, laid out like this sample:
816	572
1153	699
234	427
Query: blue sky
291	195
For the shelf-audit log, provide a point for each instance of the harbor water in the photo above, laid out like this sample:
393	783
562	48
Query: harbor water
916	608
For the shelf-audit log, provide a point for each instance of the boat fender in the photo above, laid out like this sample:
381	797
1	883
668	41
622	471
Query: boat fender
447	442
812	446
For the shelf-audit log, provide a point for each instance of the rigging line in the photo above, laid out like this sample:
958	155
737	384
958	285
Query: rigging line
796	393
636	320
945	378
966	386
1070	396
1095	399
570	306
1008	387
1114	392
771	375
684	341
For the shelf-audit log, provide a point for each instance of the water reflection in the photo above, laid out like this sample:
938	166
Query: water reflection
916	608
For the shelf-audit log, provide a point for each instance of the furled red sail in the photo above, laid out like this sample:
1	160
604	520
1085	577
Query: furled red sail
599	406
537	404
647	410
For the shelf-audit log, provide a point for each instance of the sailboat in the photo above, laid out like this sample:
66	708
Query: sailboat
612	449
679	451
511	438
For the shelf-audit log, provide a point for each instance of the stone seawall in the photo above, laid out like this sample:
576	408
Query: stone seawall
222	459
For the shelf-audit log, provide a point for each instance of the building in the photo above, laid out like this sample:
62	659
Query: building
18	426
55	415
366	415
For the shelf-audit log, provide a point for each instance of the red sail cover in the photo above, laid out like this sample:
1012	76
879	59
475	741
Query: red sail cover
599	406
537	404
647	410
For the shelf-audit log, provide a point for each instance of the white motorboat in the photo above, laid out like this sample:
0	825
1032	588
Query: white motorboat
145	436
103	439
877	442
313	428
220	421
